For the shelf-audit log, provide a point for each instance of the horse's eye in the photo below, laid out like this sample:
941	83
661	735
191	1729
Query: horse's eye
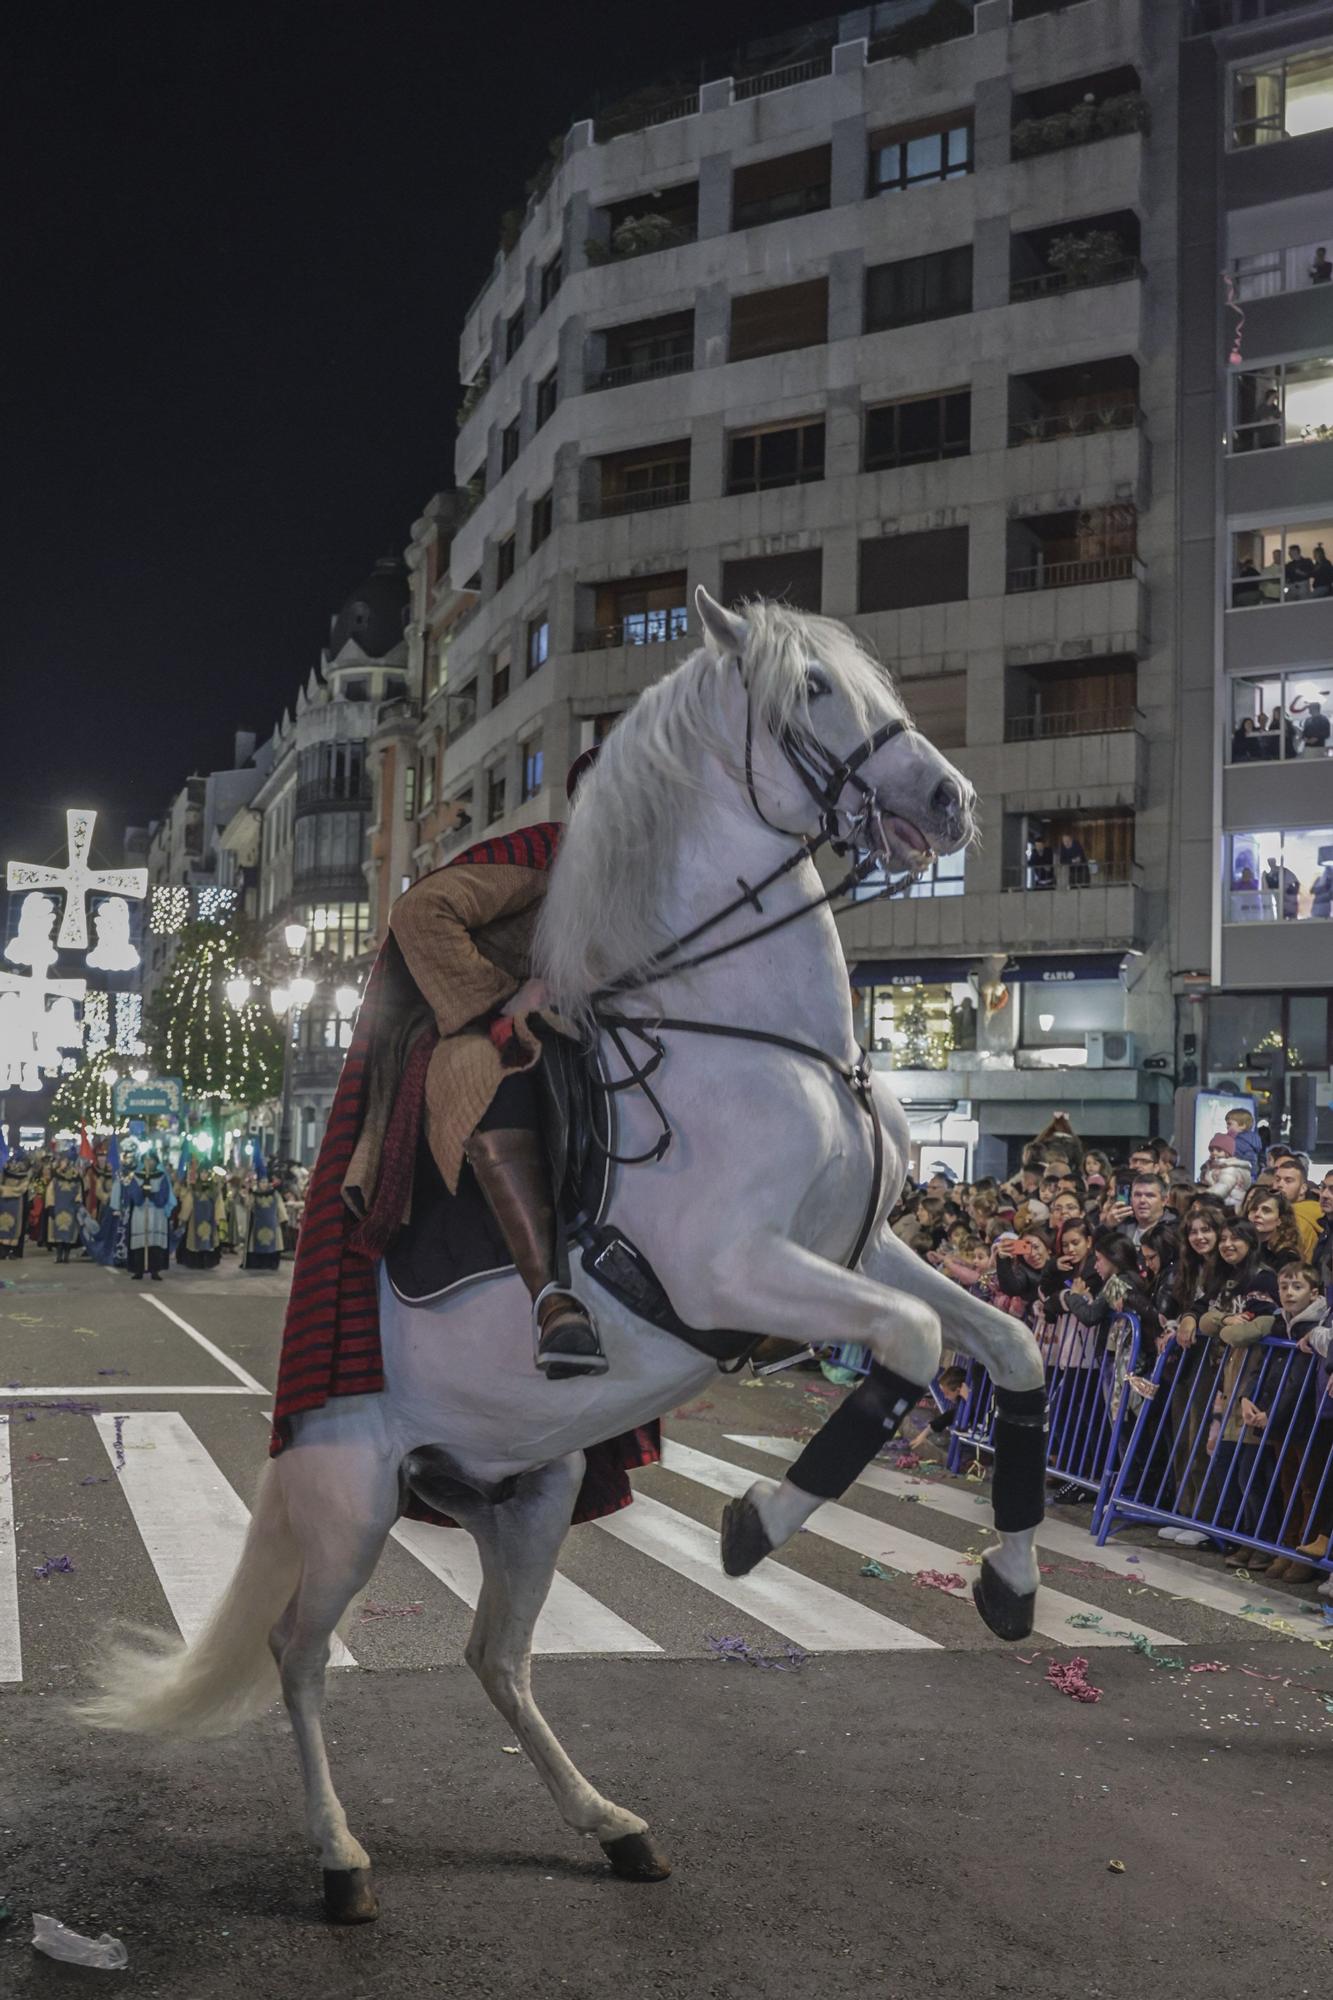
816	683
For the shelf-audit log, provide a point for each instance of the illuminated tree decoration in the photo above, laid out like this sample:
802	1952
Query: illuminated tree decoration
229	1054
85	1097
215	905
78	881
169	910
97	1022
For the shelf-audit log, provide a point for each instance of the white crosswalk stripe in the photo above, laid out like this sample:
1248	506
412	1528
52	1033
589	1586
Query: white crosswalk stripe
11	1648
886	1543
190	1520
1204	1587
572	1620
816	1617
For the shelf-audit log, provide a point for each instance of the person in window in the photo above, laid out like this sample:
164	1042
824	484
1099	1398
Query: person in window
1321	892
1321	270
1299	572
1270	579
1315	728
1245	586
1243	747
1321	583
1070	855
1284	883
1041	861
1268	427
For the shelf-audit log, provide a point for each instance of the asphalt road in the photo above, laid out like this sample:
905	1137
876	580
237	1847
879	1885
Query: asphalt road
913	1810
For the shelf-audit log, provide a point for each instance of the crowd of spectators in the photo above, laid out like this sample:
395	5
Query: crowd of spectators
1210	1267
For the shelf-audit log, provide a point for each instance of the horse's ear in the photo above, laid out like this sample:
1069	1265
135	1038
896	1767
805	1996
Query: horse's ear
727	634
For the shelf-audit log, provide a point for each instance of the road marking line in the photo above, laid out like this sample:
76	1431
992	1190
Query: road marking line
810	1613
232	1367
190	1519
118	1387
572	1619
1168	1573
11	1645
866	1536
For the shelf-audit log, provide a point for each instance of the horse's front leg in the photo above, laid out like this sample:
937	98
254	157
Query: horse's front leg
519	1540
1006	1590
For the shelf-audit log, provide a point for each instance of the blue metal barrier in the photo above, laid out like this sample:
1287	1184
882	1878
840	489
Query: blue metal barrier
1235	1443
1088	1400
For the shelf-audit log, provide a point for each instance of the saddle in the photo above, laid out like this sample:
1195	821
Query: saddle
453	1238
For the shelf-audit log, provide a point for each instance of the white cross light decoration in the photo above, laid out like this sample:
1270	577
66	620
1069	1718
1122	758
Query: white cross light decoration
78	881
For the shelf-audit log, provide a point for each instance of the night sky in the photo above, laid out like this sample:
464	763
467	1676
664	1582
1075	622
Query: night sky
240	242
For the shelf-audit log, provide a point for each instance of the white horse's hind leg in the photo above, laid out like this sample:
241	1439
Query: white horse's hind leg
342	1503
519	1540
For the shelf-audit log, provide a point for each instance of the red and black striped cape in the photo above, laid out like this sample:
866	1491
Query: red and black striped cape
331	1336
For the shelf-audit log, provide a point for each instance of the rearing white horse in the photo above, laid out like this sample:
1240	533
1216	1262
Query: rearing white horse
722	773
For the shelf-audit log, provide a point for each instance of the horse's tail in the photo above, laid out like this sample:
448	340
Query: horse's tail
159	1687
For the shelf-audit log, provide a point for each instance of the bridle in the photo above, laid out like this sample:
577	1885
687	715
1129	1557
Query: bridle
826	778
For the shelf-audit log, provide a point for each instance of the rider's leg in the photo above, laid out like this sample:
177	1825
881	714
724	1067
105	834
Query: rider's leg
509	1160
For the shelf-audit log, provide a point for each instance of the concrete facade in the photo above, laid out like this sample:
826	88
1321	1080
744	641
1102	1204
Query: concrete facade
1022	611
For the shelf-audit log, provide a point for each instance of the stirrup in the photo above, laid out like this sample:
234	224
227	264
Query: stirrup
558	1367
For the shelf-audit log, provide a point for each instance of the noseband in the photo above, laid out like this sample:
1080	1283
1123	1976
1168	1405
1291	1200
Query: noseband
825	779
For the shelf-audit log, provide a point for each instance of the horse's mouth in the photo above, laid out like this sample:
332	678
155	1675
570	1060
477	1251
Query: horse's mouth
902	843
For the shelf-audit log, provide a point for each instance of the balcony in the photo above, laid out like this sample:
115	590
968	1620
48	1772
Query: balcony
1048	284
639	629
337	884
1084	401
1073	722
1083	875
642	112
1075	257
1078	114
1086	569
784	77
341	790
783	207
651	368
610	506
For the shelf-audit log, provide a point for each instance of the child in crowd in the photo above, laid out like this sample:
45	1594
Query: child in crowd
1226	1176
951	1383
1245	1141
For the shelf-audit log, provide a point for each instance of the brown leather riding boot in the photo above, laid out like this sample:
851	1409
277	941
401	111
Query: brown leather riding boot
513	1174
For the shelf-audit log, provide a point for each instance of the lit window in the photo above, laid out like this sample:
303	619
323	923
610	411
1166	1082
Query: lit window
1290	402
918	154
1282	877
531	755
539	642
1283	98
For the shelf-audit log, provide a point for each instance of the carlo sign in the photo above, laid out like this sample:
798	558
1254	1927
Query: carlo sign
159	1097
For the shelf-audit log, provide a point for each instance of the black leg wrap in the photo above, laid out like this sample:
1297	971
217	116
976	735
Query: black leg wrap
1018	1489
844	1445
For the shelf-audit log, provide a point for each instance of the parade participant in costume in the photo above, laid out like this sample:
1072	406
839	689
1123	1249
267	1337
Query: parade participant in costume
150	1200
63	1195
261	1246
198	1219
15	1185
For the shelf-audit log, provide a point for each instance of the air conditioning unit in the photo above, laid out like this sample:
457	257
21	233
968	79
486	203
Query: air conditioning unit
1111	1049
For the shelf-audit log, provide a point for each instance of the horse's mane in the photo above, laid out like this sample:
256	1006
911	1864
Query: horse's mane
601	916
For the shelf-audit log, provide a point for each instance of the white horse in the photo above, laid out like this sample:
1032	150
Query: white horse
721	773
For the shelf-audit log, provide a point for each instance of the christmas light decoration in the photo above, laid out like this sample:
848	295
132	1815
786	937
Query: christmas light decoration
31	944
129	1025
77	880
97	1022
218	1050
37	1024
215	905
85	1097
113	951
169	910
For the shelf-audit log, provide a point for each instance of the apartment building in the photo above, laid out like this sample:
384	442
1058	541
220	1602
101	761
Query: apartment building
884	323
1254	894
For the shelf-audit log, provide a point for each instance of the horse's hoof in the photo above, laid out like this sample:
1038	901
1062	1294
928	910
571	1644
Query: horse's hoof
744	1541
1008	1612
636	1857
349	1896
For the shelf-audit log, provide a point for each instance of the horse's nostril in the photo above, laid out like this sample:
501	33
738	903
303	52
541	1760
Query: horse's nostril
947	798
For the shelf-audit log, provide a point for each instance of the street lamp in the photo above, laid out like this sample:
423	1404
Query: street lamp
139	1075
239	990
279	999
301	991
346	999
295	935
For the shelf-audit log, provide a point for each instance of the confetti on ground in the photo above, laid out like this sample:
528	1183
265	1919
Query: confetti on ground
113	1371
693	1409
871	1568
54	1566
1207	1667
739	1649
938	1579
94	1479
509	1750
1115	1867
391	1610
1147	1651
1070	1677
1085	1620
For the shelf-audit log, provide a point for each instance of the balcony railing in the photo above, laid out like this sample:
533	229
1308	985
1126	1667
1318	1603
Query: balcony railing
346	885
1081	125
1082	422
1045	284
1072	722
1073	875
334	792
653	628
608	506
677	362
642	118
1088	569
781	207
783	78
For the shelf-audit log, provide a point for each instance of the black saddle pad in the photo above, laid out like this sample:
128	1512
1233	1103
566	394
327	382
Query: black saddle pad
454	1237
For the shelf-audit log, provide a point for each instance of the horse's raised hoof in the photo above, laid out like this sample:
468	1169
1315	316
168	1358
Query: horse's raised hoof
636	1857
349	1896
1007	1611
744	1541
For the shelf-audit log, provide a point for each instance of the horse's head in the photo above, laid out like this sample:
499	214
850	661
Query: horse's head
829	737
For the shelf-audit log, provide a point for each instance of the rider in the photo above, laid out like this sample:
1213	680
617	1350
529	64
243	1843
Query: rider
465	935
